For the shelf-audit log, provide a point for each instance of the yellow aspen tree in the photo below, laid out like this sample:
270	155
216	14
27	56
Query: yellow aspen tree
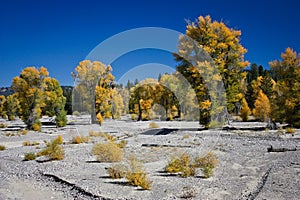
223	45
262	107
245	111
286	103
93	89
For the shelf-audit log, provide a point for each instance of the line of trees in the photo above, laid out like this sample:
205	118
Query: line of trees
270	95
35	94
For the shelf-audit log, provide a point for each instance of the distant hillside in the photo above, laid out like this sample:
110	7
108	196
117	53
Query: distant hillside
6	91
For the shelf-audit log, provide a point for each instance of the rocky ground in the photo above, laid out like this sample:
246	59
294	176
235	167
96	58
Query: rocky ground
246	169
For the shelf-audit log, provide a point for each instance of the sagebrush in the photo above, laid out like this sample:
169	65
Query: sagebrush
29	156
107	152
53	150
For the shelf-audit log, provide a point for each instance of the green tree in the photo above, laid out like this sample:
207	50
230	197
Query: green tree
67	92
286	105
11	106
2	108
267	84
53	99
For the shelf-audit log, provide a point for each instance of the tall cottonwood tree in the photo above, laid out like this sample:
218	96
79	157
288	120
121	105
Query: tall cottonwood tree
37	93
223	45
286	72
94	89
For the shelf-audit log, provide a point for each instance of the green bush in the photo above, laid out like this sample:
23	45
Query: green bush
107	152
61	118
29	156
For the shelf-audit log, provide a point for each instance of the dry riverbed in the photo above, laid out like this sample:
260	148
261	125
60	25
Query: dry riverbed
246	169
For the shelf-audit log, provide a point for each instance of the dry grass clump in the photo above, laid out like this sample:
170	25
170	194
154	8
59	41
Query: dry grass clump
136	175
185	136
133	171
76	113
109	137
27	143
122	144
207	163
3	126
53	151
290	130
2	147
104	135
107	152
60	139
29	156
186	167
181	165
116	171
80	139
153	125
23	132
95	134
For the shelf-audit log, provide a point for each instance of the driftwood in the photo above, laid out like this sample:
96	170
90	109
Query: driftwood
282	149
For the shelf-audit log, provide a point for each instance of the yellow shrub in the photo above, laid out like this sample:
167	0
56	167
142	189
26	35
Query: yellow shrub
136	175
80	139
290	130
182	165
122	144
36	127
153	125
116	171
27	143
29	156
2	147
59	139
207	163
53	150
107	152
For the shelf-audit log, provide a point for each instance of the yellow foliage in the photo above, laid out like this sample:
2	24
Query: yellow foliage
205	104
107	152
53	151
262	106
245	111
136	175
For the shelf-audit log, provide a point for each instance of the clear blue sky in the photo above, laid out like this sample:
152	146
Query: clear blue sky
59	34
